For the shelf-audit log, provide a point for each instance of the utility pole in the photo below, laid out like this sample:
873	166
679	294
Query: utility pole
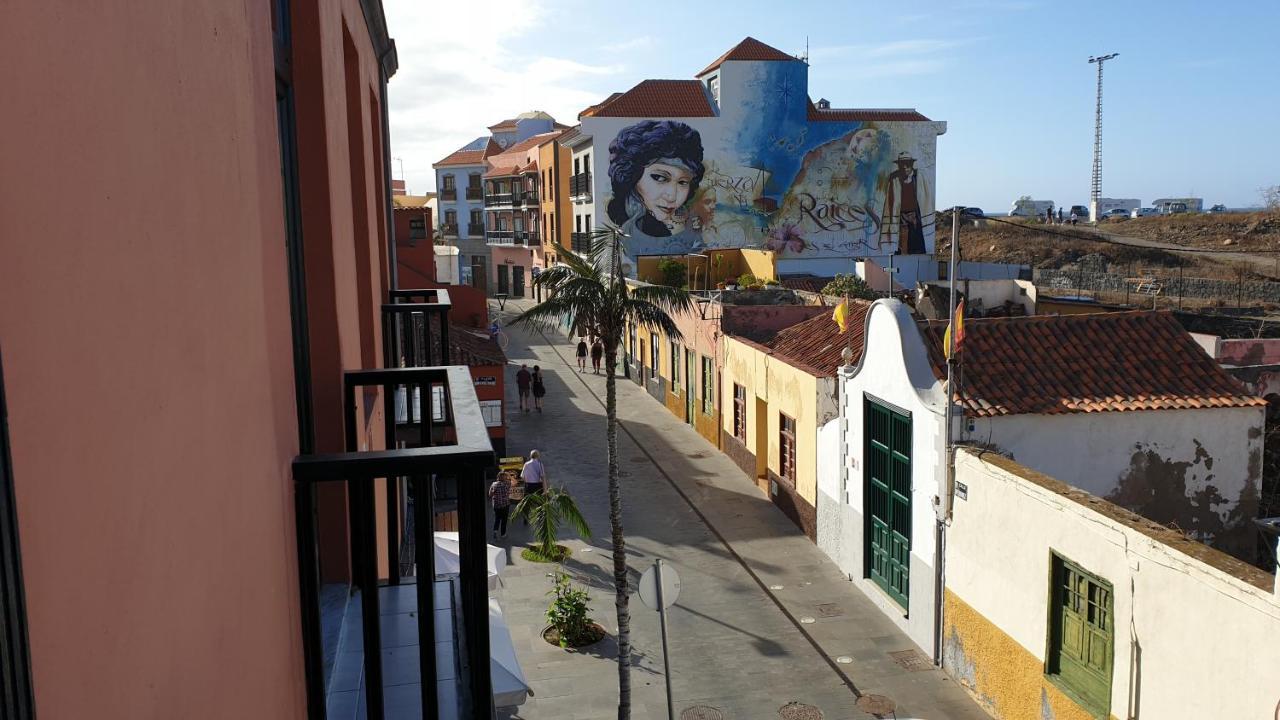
1095	192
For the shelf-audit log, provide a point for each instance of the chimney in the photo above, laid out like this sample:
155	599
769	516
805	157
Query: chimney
824	104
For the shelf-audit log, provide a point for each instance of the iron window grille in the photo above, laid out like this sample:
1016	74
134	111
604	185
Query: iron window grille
739	412
786	447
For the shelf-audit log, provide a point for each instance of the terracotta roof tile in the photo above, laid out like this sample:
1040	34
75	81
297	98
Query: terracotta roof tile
570	134
509	124
471	347
657	98
1052	365
590	109
864	114
750	49
807	284
502	171
463	157
814	345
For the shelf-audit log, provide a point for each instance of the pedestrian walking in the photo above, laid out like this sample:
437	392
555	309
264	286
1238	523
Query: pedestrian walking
523	381
500	499
539	390
597	353
534	474
1059	216
582	354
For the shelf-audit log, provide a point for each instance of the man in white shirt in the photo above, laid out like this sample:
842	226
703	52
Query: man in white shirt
533	474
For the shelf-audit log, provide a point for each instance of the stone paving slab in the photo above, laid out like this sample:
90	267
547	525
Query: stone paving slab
736	645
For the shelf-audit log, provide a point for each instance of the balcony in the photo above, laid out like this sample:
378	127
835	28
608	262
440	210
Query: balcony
580	186
531	197
475	193
449	194
580	242
449	229
526	237
500	237
475	229
493	199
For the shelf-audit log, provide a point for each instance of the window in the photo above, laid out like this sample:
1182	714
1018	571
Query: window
1081	634
477	222
577	167
587	223
577	224
739	412
450	217
473	180
708	382
438	403
631	342
655	353
713	87
491	411
448	182
586	162
417	228
675	366
787	447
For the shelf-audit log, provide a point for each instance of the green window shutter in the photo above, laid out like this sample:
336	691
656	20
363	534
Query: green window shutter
1081	635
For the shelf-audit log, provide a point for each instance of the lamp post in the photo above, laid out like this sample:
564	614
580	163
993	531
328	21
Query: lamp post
1095	192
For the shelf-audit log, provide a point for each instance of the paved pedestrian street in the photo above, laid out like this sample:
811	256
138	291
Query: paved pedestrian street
763	619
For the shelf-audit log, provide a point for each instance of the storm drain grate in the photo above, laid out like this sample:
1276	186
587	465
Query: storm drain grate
830	610
912	660
799	711
878	705
701	712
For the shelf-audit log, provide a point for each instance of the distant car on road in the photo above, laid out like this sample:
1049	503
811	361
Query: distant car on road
1218	209
1079	211
1143	212
1117	214
973	212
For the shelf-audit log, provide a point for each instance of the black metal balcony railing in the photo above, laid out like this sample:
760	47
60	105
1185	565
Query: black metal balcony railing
500	237
449	229
580	242
449	194
531	197
580	185
426	445
526	237
498	199
475	193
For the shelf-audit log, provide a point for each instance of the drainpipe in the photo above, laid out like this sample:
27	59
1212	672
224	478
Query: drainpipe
392	260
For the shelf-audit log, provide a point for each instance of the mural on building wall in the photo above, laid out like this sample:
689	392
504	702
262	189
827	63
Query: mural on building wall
763	176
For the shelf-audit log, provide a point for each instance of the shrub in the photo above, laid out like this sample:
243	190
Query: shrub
850	285
673	272
568	612
746	280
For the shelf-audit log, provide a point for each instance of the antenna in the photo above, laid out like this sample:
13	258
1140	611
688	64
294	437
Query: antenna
1095	192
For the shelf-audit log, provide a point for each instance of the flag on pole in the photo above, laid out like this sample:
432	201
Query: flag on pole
956	324
841	315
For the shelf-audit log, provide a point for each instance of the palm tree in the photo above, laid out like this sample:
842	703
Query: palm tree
546	512
590	290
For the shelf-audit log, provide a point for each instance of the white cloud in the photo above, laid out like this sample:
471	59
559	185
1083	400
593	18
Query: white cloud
639	43
465	66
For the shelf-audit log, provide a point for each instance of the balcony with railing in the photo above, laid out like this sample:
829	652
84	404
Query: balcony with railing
500	237
526	237
449	194
475	229
449	229
580	186
530	197
499	199
434	669
580	242
475	192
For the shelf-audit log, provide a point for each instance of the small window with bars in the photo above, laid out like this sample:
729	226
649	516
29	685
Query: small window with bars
739	412
787	447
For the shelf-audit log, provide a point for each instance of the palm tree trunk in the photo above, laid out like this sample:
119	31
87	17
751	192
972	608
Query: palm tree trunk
620	585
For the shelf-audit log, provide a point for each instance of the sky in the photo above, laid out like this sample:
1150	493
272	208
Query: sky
1191	106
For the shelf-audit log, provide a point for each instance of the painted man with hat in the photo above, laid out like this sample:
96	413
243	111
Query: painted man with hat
902	224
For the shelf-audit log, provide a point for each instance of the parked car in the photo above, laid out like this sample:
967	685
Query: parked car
973	212
1117	214
1218	209
1079	211
1143	212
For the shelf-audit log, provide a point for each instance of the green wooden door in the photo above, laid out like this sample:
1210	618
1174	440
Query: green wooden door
1082	633
888	499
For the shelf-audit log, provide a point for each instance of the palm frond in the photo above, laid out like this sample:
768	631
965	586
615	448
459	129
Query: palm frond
569	512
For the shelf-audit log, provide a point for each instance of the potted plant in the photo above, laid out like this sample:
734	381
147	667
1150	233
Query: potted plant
569	616
546	512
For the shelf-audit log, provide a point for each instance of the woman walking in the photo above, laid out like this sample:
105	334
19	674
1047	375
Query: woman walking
597	352
538	388
582	354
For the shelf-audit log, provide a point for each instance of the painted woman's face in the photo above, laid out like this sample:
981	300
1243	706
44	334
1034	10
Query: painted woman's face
862	143
663	189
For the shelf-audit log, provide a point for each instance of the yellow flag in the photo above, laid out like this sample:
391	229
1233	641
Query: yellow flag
957	322
841	315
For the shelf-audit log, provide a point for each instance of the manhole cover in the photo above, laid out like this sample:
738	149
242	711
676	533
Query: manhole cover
877	704
799	711
912	660
701	712
830	610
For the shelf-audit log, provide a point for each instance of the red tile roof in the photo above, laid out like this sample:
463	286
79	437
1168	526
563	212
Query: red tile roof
807	284
472	347
463	157
504	125
591	109
749	49
814	345
1052	365
500	171
657	98
864	114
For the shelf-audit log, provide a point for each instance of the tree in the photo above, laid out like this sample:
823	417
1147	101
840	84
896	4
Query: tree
1271	198
851	286
673	272
546	512
590	290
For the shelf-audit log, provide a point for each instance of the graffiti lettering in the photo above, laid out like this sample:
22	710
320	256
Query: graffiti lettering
832	215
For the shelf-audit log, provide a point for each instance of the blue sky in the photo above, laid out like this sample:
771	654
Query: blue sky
1191	105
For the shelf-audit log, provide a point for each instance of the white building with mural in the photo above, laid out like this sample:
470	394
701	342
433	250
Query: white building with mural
741	157
1125	406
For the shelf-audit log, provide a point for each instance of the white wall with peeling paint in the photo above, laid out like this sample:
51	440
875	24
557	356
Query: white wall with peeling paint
1209	640
1136	459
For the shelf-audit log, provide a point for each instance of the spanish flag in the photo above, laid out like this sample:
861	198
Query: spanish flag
957	323
841	315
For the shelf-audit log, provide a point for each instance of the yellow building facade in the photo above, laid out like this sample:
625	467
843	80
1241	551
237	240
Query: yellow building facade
553	201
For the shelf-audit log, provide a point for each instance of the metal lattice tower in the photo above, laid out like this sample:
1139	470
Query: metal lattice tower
1095	191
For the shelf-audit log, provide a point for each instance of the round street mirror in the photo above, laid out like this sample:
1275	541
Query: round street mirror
648	587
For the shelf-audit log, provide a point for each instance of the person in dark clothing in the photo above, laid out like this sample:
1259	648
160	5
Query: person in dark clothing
597	354
500	499
582	354
523	380
903	222
539	390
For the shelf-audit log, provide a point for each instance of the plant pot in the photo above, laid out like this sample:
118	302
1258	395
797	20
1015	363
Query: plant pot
596	633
